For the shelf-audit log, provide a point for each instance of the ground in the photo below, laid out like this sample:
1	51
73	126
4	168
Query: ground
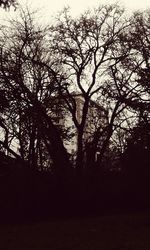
113	232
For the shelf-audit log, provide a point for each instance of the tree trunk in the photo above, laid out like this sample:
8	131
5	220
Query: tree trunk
31	155
80	155
105	144
54	145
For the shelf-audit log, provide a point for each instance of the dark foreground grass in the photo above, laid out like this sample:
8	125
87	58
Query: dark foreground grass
115	232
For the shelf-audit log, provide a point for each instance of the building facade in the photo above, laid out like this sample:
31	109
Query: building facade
97	117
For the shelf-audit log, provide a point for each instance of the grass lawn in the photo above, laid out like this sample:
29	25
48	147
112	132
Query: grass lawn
116	232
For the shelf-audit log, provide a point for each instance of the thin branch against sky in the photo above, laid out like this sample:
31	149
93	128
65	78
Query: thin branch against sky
79	5
49	8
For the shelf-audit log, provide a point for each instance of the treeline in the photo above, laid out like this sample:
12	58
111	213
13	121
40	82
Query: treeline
104	56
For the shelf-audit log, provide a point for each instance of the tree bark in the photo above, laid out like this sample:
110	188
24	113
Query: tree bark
80	155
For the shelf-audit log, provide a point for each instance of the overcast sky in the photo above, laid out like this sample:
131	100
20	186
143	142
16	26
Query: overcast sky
79	5
49	8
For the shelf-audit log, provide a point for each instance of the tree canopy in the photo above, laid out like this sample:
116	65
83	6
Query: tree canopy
99	55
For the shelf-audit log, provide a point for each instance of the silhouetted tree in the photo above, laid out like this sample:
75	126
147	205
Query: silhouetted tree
85	48
30	87
135	159
141	43
94	56
128	83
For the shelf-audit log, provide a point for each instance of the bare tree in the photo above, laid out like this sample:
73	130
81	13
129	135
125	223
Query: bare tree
86	48
30	87
94	56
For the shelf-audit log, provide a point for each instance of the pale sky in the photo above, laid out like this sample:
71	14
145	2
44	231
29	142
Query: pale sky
49	8
78	6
